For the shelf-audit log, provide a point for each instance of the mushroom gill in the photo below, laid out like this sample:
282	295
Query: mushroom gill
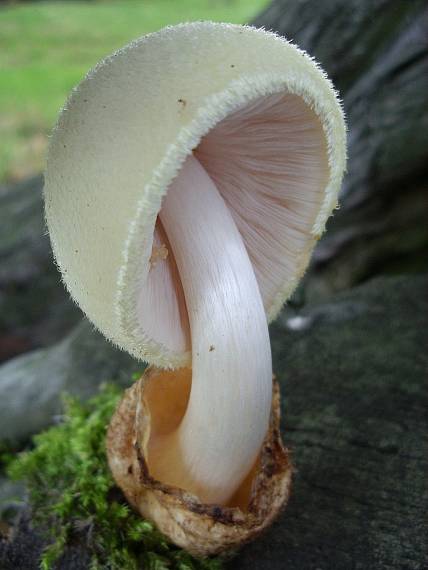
269	161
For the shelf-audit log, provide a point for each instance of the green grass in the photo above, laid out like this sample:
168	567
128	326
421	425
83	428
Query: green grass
47	47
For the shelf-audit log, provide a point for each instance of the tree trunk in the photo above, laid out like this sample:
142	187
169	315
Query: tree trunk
376	52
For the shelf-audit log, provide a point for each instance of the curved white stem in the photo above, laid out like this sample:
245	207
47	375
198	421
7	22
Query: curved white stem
227	416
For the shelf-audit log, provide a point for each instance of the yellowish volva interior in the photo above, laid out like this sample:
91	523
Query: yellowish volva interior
166	395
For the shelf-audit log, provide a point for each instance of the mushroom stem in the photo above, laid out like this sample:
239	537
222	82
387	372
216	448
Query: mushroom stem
221	433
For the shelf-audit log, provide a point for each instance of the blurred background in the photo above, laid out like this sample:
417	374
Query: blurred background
46	48
351	345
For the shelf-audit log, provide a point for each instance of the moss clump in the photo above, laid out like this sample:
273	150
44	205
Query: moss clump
72	492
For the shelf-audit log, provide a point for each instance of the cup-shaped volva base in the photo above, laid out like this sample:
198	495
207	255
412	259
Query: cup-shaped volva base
154	406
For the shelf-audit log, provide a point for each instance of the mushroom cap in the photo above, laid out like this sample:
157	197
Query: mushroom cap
121	139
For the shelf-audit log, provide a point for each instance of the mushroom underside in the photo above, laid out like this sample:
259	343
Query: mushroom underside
269	161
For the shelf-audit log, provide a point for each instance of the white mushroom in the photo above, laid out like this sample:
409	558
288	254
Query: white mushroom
188	179
227	417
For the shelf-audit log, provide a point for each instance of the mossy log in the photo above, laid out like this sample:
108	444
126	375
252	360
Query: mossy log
353	376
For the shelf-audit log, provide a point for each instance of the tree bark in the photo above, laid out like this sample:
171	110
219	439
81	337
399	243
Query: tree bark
376	53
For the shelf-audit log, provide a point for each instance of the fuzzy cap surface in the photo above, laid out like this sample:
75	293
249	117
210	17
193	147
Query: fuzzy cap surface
122	137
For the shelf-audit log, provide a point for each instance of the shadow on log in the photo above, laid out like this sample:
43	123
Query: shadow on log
35	309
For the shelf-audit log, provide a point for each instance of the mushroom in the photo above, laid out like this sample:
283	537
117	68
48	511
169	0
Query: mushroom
189	177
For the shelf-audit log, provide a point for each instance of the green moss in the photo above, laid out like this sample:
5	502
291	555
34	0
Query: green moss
71	493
